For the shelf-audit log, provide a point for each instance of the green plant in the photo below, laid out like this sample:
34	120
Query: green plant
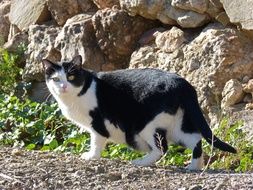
9	72
234	135
41	126
33	125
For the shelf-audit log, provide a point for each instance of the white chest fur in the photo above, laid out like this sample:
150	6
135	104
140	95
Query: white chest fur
77	108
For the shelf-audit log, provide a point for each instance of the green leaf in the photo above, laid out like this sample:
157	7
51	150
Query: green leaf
30	146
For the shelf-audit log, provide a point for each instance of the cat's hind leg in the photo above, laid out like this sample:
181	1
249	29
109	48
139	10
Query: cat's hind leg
197	156
158	146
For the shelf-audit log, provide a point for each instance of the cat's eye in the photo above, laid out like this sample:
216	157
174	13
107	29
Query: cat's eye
55	79
71	77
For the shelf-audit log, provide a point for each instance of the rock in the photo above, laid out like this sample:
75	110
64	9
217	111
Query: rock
248	88
207	60
24	13
87	6
4	21
170	40
240	12
41	46
17	45
214	9
150	36
222	17
144	57
62	10
102	4
78	37
13	31
199	6
16	41
5	7
232	93
117	34
165	12
4	29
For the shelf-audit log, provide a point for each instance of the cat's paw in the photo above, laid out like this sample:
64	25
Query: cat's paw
193	167
196	164
89	156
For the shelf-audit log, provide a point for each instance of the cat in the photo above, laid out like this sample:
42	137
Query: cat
147	109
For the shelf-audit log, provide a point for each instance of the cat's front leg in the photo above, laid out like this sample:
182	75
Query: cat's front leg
96	146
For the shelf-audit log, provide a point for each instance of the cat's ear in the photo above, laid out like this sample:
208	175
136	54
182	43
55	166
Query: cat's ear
77	61
47	64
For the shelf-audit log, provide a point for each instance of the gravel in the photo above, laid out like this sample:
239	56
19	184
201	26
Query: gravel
21	169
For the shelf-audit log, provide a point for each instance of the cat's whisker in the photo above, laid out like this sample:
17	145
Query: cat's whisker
47	96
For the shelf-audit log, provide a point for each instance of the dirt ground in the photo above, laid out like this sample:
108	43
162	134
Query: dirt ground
21	169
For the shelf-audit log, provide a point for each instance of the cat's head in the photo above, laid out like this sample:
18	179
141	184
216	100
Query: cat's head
64	77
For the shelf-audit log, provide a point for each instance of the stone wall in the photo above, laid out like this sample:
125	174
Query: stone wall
209	42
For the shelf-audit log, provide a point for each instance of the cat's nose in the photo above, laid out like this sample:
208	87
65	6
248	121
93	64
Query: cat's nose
64	86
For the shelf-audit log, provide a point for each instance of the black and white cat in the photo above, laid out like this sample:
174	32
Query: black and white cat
145	108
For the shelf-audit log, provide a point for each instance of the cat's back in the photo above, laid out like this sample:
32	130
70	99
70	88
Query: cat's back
144	81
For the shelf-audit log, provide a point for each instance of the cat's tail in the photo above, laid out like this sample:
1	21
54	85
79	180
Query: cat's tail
195	114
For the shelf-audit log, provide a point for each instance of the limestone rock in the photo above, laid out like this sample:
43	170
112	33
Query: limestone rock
4	21
149	36
78	37
102	4
41	46
199	6
13	44
86	6
145	56
248	88
239	12
24	13
171	40
208	60
13	31
232	93
165	12
5	7
117	34
62	10
4	29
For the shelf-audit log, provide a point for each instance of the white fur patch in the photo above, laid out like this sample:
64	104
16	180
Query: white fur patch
116	134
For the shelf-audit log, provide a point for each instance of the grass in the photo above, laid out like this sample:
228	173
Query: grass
36	126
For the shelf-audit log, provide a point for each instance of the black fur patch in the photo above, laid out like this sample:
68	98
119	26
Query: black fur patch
51	70
197	151
161	140
98	123
132	98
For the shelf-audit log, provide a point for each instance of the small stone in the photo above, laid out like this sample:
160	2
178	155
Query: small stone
232	93
115	176
16	152
99	169
170	40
